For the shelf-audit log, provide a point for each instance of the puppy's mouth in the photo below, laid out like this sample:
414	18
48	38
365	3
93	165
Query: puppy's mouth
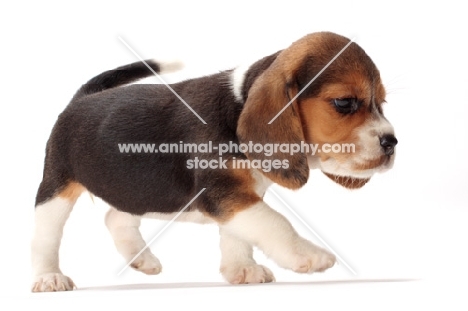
358	174
379	163
347	181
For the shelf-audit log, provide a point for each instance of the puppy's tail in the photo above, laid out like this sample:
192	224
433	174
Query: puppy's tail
125	75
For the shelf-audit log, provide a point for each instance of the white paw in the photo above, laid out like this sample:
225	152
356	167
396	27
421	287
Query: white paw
147	263
52	282
311	258
247	274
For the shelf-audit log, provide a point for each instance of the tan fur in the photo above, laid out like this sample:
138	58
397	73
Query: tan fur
312	119
242	196
323	124
72	191
232	197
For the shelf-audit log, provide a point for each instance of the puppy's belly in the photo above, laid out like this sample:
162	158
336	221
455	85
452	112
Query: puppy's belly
192	216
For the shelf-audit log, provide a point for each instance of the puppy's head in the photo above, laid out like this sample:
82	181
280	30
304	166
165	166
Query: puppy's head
340	113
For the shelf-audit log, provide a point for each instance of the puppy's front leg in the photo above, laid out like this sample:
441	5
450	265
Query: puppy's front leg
237	263
265	228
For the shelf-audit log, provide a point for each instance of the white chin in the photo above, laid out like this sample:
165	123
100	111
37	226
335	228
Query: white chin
348	182
348	173
332	167
335	168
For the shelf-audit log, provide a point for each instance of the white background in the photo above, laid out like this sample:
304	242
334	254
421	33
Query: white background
404	233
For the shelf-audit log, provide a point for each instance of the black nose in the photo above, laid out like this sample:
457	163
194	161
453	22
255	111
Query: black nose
388	143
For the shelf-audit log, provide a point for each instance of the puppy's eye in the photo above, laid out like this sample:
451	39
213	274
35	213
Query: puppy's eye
346	105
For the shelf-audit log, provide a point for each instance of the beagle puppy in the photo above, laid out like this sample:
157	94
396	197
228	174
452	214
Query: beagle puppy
242	106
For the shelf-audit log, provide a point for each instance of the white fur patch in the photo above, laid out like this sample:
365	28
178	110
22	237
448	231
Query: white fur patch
265	228
334	167
169	66
237	81
192	216
368	144
52	282
50	218
124	229
237	263
261	182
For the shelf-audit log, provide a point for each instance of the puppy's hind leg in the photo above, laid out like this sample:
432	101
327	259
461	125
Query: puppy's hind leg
124	229
52	211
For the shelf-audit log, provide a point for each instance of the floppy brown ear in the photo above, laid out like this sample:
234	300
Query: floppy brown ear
268	95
